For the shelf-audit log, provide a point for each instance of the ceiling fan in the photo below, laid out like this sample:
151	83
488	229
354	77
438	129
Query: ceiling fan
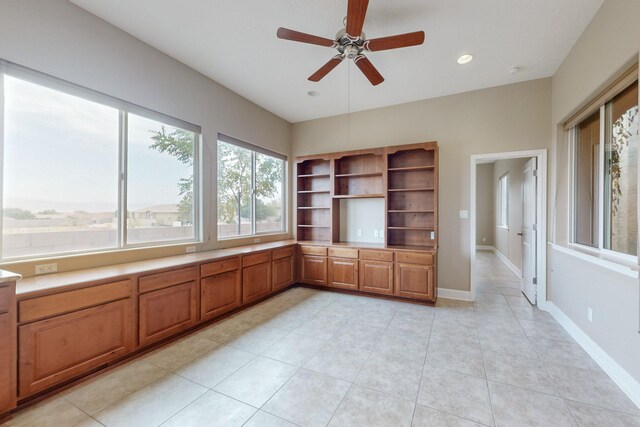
351	42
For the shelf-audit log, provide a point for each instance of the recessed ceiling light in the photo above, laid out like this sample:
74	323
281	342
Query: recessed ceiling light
465	59
313	93
514	70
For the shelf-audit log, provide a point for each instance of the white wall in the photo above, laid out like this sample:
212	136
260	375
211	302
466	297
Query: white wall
61	39
507	240
607	46
485	205
365	215
506	118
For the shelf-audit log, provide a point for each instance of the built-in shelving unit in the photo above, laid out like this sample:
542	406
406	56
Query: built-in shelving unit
314	200
412	199
406	177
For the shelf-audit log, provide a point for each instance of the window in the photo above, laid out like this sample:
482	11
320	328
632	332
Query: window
503	201
605	174
65	178
251	188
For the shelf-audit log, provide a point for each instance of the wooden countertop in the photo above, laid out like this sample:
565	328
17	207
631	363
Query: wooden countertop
40	285
7	276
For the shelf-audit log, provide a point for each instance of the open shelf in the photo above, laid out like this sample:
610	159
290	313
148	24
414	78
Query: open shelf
313	191
411	228
411	189
409	211
313	226
358	175
312	207
315	175
411	168
359	196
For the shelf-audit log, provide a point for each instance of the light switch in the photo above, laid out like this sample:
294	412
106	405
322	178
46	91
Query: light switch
464	214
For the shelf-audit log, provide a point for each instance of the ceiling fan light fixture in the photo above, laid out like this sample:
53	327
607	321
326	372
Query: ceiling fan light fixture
465	59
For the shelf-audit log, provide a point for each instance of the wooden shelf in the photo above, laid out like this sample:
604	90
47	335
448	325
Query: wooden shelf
315	175
359	196
313	226
412	247
311	207
410	211
314	192
358	175
412	228
412	168
410	189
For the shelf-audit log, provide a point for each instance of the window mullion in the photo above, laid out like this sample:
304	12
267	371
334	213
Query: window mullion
1	159
253	193
601	178
122	175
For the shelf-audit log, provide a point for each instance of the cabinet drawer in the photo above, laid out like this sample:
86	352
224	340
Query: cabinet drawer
167	311
64	302
284	252
313	250
217	267
374	255
5	298
257	258
415	258
57	349
343	253
166	279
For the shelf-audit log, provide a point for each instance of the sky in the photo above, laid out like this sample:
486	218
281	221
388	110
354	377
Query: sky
61	152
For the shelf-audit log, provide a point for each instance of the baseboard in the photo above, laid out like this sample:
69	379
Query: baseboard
617	373
454	294
508	263
485	248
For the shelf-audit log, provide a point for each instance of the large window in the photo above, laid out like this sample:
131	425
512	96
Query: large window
605	177
251	188
74	161
503	201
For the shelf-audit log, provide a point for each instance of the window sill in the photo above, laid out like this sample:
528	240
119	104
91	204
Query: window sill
240	239
503	227
595	257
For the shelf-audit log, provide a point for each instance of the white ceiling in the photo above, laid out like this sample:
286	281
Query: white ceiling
234	43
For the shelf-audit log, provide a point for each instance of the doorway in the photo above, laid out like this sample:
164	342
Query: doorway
519	225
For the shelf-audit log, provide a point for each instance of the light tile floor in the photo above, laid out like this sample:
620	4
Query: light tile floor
313	358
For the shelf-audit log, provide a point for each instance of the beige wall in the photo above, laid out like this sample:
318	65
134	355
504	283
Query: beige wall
61	39
507	240
485	205
608	45
506	118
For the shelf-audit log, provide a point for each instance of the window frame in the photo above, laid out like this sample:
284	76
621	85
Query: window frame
571	132
503	183
124	109
255	149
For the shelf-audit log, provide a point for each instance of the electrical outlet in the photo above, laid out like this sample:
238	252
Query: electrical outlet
191	249
464	214
433	235
381	232
590	314
46	268
484	239
376	233
359	232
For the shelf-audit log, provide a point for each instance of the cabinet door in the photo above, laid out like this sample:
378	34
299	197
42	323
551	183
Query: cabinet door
343	273
219	294
167	311
314	270
7	363
283	272
66	346
256	282
376	277
415	281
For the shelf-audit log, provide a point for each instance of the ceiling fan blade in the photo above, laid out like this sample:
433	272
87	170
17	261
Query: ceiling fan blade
297	36
368	70
326	68
356	12
395	42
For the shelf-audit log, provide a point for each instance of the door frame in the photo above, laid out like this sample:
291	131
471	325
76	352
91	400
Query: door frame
541	216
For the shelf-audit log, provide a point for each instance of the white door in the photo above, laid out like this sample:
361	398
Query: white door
529	196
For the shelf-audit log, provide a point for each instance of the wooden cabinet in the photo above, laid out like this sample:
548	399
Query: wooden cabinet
256	276
283	267
343	273
8	362
376	277
219	294
167	311
66	346
415	281
313	270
